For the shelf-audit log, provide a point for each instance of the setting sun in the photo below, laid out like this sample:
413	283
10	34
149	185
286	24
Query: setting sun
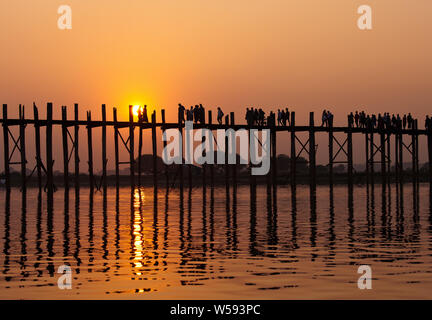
135	109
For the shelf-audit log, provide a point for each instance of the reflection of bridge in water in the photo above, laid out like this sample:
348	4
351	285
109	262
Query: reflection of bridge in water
377	144
165	231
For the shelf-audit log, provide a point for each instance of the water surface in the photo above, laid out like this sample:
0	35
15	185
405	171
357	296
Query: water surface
210	244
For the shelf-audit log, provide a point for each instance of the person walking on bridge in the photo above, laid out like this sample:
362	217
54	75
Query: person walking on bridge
220	115
324	118
181	110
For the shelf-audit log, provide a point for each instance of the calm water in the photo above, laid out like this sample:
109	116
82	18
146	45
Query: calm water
207	244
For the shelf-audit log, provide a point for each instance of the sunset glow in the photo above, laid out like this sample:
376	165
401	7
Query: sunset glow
135	110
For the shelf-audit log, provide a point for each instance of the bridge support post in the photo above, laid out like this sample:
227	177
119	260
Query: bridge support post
312	159
293	159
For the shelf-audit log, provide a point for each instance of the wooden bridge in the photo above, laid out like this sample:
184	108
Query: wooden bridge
377	145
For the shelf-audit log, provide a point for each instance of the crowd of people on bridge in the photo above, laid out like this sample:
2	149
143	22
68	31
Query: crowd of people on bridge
327	119
381	121
194	113
258	117
142	114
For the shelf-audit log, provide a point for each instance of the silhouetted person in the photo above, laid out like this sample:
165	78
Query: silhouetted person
220	115
427	123
409	121
181	110
145	116
279	117
189	114
324	118
287	116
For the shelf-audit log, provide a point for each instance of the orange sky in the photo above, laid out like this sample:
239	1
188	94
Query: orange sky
306	54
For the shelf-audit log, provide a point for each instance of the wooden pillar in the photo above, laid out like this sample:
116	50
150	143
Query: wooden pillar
372	156
49	156
413	151
204	166
22	147
164	146
252	179
104	151
416	150
330	145
90	150
65	148
388	158
383	156
226	157
180	128
234	166
37	146
6	147
396	156
116	148
154	148
140	145
76	144
211	142
293	150
274	155
350	153
312	161
429	142
367	155
400	153
131	147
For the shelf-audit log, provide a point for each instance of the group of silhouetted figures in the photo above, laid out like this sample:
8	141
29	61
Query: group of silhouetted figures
254	116
142	114
194	113
384	121
257	116
327	119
